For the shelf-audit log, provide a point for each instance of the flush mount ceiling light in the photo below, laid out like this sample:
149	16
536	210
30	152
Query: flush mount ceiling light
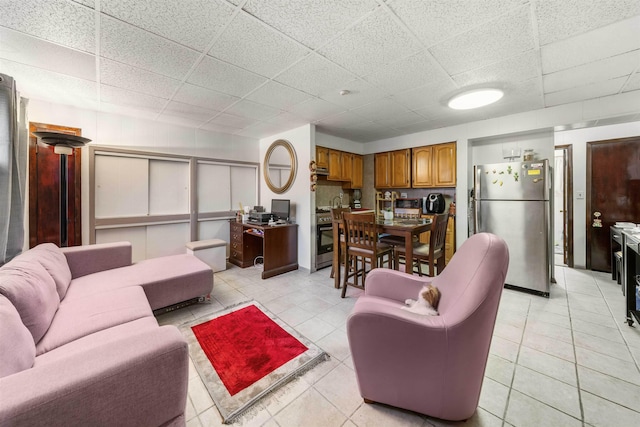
475	98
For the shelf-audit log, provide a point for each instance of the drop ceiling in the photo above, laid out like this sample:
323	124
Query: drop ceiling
256	67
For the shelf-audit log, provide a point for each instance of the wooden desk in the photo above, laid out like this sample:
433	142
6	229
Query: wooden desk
406	228
278	245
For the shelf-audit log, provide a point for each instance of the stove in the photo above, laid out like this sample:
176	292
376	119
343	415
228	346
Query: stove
324	237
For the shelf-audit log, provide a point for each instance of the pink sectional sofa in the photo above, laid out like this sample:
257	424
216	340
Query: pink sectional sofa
79	344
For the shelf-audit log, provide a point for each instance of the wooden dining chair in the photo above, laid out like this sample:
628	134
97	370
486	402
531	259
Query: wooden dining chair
431	253
336	215
362	248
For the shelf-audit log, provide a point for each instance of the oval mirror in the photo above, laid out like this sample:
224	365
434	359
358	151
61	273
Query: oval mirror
280	166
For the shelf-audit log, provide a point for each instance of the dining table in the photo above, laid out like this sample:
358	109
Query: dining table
404	227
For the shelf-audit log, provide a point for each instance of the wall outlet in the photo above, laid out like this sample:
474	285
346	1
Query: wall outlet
579	194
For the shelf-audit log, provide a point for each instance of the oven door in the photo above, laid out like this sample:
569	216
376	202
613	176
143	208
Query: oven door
325	239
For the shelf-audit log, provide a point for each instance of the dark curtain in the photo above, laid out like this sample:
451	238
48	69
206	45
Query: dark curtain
13	168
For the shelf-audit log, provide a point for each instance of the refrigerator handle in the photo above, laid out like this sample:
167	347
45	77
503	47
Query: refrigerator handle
476	217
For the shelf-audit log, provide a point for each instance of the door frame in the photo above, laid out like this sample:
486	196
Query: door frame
33	180
567	215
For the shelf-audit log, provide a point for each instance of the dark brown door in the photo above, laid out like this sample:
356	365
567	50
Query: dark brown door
613	194
44	190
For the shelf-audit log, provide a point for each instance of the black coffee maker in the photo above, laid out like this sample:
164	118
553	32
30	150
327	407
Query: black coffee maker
433	204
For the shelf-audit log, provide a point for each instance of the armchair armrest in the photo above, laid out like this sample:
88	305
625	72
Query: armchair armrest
89	259
139	380
394	285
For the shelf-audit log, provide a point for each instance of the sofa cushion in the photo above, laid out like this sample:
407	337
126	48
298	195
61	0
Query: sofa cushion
32	291
79	317
54	261
17	349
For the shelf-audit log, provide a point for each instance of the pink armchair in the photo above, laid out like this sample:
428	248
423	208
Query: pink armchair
433	365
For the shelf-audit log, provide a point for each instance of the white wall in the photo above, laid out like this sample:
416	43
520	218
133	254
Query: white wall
303	141
141	134
337	143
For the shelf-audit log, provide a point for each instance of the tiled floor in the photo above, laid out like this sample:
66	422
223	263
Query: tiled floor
570	360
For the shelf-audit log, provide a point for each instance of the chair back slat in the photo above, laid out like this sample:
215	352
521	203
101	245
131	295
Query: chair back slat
336	213
361	230
438	232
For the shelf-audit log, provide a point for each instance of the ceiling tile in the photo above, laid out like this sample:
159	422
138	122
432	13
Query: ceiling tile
315	109
585	15
374	42
315	75
360	93
262	130
311	22
250	44
253	110
426	96
207	98
381	109
509	35
515	69
230	120
37	83
130	45
277	95
398	120
606	69
594	90
219	128
289	120
411	72
633	83
88	3
222	77
192	112
116	95
127	77
436	20
30	50
598	44
344	120
69	24
194	23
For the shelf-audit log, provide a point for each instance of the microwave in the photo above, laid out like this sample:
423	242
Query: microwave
407	204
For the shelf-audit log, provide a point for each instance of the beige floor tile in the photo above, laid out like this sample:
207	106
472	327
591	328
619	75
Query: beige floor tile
284	395
375	415
295	316
480	418
199	395
340	388
547	364
311	409
493	397
601	412
600	345
612	389
550	330
547	390
504	348
548	317
548	345
598	319
336	344
627	371
315	328
508	332
524	411
500	370
611	334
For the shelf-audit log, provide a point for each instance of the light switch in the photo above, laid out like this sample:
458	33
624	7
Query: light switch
579	194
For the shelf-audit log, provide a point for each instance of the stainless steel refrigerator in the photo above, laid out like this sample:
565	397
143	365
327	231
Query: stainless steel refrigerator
514	201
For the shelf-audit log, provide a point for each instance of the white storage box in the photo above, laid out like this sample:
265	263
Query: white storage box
212	252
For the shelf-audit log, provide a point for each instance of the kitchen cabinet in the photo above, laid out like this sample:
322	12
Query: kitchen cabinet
343	166
434	166
357	172
393	169
335	165
322	157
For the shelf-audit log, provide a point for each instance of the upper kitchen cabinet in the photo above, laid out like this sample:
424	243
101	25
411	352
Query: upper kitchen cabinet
356	173
393	169
342	166
322	158
434	166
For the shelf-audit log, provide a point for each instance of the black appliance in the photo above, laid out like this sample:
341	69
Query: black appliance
324	240
407	204
433	204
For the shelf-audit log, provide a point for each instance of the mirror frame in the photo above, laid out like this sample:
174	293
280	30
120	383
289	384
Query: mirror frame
294	166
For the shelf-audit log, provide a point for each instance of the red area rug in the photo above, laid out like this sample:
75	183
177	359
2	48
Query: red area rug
245	345
244	352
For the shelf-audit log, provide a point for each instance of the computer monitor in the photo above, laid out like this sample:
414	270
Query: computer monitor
280	209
